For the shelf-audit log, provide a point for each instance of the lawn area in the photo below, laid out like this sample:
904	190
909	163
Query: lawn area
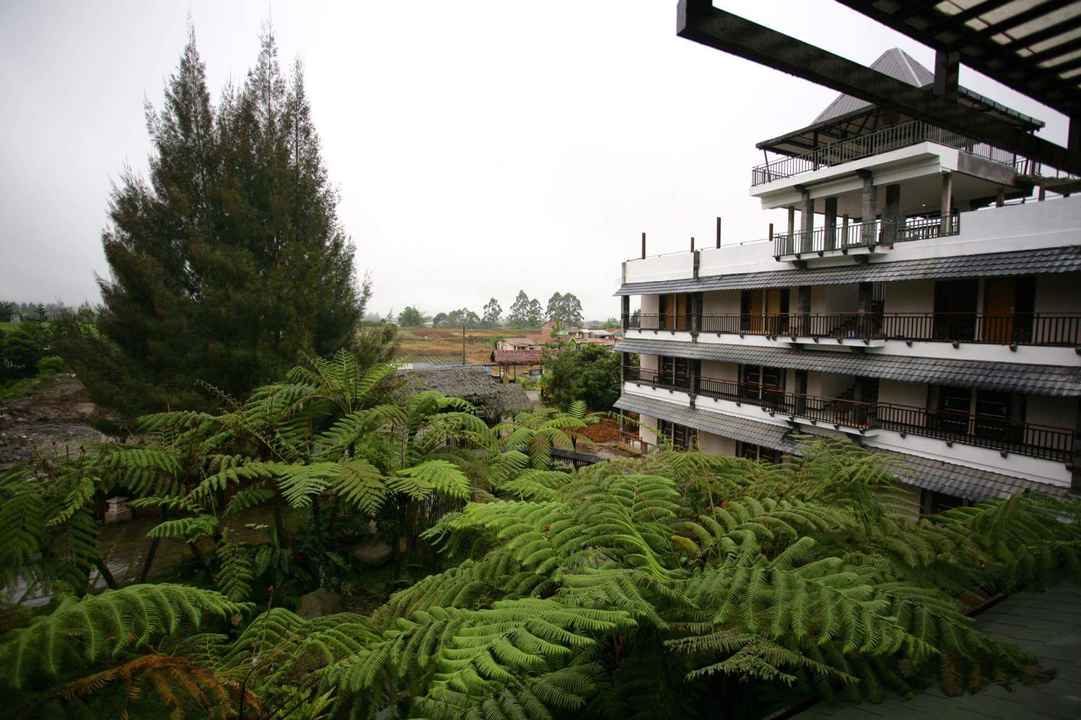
444	345
7	327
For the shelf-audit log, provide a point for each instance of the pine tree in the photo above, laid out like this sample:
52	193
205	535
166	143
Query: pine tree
229	262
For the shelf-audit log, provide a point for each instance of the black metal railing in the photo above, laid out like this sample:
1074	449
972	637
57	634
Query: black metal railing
660	321
1042	329
869	234
975	429
885	140
979	430
654	378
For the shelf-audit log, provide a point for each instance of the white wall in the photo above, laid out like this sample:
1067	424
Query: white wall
1053	412
661	267
734	259
720	370
901	393
648	362
721	302
1060	293
832	299
910	296
647	429
826	385
650	304
716	444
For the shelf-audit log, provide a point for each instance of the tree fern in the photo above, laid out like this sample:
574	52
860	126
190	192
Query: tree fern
81	632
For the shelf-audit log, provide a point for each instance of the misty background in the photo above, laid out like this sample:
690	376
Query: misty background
478	147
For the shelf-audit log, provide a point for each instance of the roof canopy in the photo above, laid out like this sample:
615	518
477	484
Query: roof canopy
1031	46
848	116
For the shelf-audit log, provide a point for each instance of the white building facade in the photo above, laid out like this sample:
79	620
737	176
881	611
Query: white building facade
923	300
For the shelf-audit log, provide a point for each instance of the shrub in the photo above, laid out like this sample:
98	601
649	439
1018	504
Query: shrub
50	365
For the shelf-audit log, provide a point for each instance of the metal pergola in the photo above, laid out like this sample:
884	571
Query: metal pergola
1044	31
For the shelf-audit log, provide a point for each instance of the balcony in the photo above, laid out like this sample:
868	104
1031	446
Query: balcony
862	235
1039	329
977	430
882	141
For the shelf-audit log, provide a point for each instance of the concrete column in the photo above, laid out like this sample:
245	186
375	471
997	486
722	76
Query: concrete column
789	247
807	222
869	211
830	240
625	310
844	230
891	216
947	203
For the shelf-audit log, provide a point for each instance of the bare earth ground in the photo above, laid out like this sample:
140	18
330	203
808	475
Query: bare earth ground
52	420
445	344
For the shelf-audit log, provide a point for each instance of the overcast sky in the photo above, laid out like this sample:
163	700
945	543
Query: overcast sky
479	146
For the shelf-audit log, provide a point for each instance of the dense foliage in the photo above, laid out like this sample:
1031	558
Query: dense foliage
676	586
229	261
589	373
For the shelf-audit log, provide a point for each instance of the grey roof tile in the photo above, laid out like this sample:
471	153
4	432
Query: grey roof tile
1047	260
924	473
1049	380
742	429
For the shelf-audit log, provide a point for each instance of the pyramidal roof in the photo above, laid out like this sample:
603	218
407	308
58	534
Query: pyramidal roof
897	64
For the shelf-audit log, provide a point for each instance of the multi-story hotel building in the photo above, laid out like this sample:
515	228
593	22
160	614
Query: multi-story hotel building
923	299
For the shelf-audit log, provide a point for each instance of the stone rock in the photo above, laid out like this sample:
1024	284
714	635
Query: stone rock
374	553
318	603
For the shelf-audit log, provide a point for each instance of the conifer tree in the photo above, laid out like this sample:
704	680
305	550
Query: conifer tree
228	262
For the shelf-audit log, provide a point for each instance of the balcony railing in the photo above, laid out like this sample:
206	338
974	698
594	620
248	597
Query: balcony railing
885	140
659	321
989	431
1043	329
975	429
869	234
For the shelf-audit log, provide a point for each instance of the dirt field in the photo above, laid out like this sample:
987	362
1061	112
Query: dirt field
444	345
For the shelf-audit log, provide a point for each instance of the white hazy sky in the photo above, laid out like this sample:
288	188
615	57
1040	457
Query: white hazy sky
479	146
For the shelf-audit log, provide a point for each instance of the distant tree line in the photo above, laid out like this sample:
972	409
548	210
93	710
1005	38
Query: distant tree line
564	309
11	311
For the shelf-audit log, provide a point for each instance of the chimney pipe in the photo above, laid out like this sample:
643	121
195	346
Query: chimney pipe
643	246
718	232
692	243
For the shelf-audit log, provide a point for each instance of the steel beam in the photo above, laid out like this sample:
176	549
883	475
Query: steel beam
699	21
980	52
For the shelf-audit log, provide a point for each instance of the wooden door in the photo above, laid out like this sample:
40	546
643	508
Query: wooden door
682	322
999	296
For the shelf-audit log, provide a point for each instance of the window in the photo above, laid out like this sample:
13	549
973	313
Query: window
681	436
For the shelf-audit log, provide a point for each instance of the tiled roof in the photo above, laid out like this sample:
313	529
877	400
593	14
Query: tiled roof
1049	380
742	429
897	64
517	357
962	481
956	480
1048	260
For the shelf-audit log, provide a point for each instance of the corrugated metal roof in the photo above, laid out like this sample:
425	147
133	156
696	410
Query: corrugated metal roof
1049	380
1047	260
957	480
